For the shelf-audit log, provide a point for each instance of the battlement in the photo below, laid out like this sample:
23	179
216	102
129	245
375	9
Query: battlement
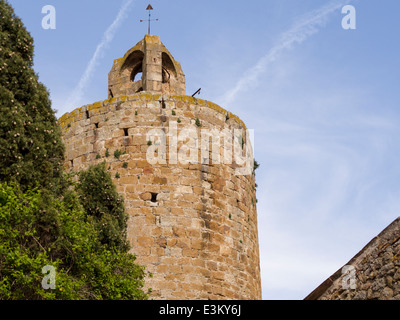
101	107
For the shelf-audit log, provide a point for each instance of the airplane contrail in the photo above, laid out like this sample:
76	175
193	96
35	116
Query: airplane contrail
303	29
108	36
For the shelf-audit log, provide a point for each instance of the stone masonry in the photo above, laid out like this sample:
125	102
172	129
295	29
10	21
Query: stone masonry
194	226
376	272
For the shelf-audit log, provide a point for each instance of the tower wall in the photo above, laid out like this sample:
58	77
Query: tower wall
193	225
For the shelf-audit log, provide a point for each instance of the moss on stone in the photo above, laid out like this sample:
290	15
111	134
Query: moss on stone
146	97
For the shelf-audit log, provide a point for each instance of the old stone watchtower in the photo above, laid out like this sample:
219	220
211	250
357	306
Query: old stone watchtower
194	225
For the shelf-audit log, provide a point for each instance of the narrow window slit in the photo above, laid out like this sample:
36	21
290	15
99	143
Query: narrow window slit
153	197
126	132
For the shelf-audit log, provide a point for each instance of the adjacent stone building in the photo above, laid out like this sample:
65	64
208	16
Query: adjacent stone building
193	224
372	274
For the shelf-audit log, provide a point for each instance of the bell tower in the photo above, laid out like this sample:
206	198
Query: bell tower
149	67
192	223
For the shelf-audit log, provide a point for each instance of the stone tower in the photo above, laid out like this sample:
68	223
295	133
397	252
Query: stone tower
178	162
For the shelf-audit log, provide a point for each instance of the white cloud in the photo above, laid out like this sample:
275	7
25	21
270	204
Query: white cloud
77	94
320	198
302	29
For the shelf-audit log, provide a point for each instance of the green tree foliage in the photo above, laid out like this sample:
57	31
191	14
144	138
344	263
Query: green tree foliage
31	150
85	269
100	199
45	218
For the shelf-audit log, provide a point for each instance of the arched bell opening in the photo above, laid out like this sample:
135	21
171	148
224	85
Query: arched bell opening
137	72
132	67
168	68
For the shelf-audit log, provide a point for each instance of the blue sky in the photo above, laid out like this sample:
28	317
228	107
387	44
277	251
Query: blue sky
323	101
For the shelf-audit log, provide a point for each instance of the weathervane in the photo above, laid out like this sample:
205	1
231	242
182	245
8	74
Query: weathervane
149	7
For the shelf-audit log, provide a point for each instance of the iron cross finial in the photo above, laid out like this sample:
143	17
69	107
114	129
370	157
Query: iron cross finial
149	7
